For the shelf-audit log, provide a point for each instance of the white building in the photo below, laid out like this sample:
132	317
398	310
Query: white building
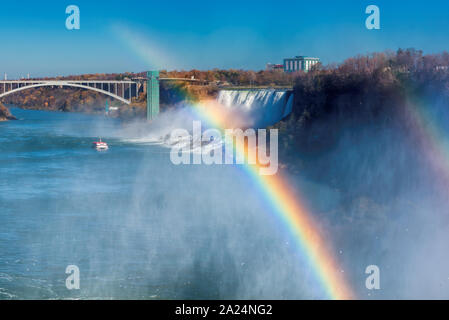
299	63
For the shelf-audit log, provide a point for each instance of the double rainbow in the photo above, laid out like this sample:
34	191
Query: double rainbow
431	132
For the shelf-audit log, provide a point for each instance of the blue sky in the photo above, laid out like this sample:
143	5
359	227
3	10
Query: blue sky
118	36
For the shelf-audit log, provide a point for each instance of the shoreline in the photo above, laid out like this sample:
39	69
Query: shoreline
5	114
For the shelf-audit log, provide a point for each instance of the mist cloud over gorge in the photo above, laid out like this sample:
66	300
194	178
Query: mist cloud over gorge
380	186
379	199
373	189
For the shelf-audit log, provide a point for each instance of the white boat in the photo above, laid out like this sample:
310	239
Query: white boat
100	145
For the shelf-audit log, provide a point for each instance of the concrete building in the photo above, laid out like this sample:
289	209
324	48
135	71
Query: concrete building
299	63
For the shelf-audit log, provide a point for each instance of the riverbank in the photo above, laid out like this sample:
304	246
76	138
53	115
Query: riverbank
5	114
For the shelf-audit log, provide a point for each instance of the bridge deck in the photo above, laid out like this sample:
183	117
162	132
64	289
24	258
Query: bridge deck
68	81
123	90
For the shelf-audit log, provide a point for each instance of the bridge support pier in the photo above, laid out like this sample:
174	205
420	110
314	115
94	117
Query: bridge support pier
152	94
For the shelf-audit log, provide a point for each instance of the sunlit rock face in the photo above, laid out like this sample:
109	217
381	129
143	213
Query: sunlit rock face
5	115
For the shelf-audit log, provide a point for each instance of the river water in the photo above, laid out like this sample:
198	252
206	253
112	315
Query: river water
139	227
136	225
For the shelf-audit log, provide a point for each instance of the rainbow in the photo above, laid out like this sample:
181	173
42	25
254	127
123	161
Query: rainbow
431	137
289	209
147	48
285	204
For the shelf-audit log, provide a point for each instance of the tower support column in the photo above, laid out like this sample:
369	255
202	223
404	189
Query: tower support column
152	94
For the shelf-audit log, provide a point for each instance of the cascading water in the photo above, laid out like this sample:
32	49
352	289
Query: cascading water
265	106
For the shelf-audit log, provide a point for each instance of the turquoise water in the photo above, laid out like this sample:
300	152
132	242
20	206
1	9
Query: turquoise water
136	225
139	227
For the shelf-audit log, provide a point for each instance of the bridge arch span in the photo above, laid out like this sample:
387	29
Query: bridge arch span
64	84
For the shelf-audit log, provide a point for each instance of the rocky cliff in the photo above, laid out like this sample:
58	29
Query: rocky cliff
5	115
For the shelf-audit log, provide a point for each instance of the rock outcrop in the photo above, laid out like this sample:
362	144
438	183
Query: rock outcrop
5	114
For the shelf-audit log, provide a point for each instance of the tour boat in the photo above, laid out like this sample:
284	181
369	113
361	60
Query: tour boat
100	145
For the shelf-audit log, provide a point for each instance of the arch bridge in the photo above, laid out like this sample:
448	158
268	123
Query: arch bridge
123	90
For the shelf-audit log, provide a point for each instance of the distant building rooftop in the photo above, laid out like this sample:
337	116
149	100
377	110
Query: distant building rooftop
304	57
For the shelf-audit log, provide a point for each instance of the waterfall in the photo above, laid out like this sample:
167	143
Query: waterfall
289	106
265	106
